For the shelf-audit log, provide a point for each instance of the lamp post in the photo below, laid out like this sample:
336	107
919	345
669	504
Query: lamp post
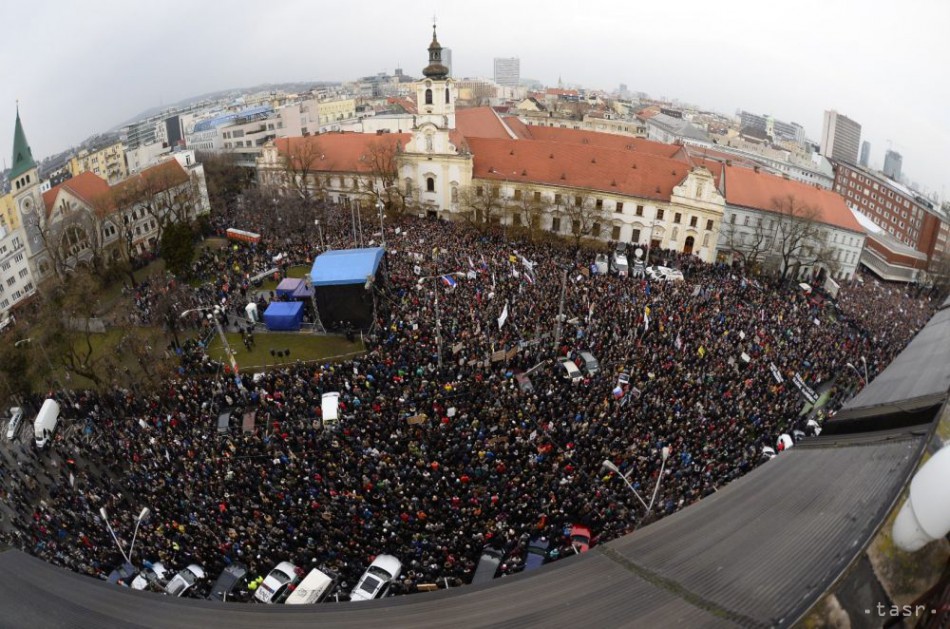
611	466
105	518
320	232
860	375
382	229
438	319
213	317
864	361
142	515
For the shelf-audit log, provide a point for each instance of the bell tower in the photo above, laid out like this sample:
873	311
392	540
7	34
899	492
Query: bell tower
436	93
24	176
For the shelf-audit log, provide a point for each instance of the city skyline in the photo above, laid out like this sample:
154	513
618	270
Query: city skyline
109	65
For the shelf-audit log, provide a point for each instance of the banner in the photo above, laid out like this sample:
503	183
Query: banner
806	391
776	373
503	317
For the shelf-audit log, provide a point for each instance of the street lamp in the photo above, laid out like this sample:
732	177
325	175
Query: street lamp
142	515
320	231
382	229
857	372
865	363
438	319
611	466
212	316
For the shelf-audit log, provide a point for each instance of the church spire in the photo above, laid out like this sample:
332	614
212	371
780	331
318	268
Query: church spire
22	155
435	70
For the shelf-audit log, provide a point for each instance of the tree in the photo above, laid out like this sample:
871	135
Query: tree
300	163
582	213
749	244
178	248
484	204
226	180
799	238
529	208
381	182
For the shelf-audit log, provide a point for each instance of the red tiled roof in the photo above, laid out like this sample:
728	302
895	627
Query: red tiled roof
558	92
406	103
480	122
340	152
519	128
603	140
86	186
760	191
577	165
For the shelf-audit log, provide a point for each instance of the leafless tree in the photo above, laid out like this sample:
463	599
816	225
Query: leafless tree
527	208
582	212
484	204
800	239
750	244
381	181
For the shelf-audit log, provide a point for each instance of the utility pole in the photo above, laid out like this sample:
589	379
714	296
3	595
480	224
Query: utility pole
560	311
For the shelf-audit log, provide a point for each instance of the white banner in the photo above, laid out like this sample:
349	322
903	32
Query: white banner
776	373
503	317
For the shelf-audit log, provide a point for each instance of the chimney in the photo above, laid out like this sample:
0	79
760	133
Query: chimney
755	168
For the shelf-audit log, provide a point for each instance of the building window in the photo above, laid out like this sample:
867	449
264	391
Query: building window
455	194
677	217
430	184
615	233
693	221
428	96
706	240
600	204
639	210
745	220
709	225
557	199
556	224
619	207
578	201
446	96
635	236
660	214
517	194
479	191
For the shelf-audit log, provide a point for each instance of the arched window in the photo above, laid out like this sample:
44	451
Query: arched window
428	96
446	96
455	194
430	184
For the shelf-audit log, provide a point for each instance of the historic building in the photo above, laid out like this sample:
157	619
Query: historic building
475	164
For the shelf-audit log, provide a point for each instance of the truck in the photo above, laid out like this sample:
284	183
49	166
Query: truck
44	426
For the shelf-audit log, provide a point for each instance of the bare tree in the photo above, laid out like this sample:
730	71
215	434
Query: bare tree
301	162
583	214
484	205
750	245
381	181
800	239
527	208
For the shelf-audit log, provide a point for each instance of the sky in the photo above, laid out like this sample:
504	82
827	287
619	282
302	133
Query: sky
78	68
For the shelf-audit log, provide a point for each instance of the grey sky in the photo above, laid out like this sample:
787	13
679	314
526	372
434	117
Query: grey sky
83	67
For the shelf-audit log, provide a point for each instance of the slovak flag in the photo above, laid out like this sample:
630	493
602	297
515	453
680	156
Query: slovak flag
449	281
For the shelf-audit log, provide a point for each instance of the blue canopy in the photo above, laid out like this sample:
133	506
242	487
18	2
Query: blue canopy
345	266
283	315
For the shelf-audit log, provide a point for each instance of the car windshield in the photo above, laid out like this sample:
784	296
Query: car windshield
369	584
177	585
281	576
379	572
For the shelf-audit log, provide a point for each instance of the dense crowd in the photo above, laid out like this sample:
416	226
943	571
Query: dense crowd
483	462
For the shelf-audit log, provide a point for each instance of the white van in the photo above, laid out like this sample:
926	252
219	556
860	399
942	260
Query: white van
315	587
44	426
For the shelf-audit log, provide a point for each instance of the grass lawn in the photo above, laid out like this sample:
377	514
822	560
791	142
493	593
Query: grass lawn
102	344
296	272
302	346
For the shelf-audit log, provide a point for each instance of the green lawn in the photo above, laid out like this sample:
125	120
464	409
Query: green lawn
302	346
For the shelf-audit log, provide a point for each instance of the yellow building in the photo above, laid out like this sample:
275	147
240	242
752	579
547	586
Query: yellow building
9	217
107	162
330	111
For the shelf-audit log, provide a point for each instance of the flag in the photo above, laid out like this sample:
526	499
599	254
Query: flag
679	342
702	351
528	264
514	273
449	281
646	318
471	265
503	317
528	277
648	289
512	258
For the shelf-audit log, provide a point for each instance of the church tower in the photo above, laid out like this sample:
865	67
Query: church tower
28	201
434	169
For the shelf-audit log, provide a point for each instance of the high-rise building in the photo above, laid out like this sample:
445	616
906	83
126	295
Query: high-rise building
507	71
865	153
892	164
840	137
447	59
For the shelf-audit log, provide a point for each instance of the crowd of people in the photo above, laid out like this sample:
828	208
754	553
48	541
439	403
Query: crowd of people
436	457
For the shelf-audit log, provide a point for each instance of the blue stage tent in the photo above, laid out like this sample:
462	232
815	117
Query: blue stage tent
345	266
283	315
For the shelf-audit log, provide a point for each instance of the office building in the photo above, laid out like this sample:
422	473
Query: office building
892	164
507	71
447	59
865	153
840	137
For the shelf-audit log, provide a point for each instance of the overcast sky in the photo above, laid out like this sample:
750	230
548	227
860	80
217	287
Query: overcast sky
78	68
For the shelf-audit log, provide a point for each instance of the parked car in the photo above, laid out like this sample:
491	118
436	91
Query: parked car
524	382
185	580
580	538
275	586
768	453
618	264
153	576
588	363
674	275
377	579
537	553
488	565
231	578
570	370
16	420
655	272
601	263
315	587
